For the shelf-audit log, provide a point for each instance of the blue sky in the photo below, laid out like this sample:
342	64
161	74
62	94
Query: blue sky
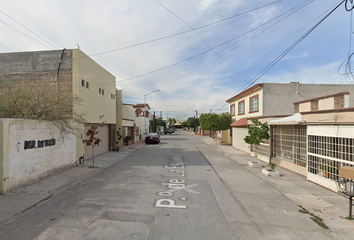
225	56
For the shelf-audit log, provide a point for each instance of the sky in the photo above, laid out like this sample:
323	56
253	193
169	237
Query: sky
189	55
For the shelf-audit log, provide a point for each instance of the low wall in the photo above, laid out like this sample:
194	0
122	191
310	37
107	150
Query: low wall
30	150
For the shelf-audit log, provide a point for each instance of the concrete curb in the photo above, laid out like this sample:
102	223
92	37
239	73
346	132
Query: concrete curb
320	201
29	196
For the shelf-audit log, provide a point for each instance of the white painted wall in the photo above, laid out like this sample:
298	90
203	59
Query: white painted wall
331	131
26	165
238	135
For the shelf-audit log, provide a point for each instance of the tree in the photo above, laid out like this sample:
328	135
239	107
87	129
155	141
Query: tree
157	122
215	122
172	121
184	124
191	122
92	140
39	100
257	132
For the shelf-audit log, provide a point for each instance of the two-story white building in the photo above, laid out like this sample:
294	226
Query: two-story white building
134	122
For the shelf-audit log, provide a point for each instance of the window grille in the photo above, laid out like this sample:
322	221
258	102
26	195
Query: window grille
262	149
327	154
290	144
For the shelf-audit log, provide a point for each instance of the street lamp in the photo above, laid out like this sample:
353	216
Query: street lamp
196	118
145	133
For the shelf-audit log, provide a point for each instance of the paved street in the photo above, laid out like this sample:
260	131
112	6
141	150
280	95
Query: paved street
179	189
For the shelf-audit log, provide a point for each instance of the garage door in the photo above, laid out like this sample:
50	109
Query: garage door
238	135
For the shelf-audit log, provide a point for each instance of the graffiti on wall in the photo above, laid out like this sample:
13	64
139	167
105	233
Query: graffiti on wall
31	144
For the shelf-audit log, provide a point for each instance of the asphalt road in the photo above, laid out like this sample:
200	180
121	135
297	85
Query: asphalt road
178	189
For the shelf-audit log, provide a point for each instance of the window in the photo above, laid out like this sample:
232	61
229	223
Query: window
82	83
254	104
113	96
99	90
241	107
232	110
87	85
103	92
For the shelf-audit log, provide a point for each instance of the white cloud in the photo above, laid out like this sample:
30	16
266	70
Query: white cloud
103	26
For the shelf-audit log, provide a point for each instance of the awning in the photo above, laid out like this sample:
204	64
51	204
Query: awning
294	119
240	123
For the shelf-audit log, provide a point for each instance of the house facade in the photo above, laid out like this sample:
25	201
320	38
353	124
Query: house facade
134	122
273	100
317	140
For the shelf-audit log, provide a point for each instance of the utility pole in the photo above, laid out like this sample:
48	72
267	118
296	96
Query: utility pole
153	123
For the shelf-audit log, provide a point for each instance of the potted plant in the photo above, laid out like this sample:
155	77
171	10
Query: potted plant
327	170
270	170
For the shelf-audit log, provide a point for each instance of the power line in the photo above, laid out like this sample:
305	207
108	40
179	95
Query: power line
275	61
205	43
180	33
211	49
27	28
24	34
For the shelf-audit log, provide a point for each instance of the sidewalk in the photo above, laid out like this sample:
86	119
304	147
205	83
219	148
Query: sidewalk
19	200
328	205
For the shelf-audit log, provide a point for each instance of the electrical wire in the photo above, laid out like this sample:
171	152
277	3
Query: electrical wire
349	68
206	51
187	31
24	34
205	43
27	28
275	61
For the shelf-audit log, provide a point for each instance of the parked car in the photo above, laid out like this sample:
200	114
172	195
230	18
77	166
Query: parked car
152	138
168	130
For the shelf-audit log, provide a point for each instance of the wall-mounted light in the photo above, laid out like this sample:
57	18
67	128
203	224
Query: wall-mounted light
101	116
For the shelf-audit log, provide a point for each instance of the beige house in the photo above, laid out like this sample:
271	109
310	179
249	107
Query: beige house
317	140
273	100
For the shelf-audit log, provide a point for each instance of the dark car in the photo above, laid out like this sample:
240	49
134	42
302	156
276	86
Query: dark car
152	138
168	130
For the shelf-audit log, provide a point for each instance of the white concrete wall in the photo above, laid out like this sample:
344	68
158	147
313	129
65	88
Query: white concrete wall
26	165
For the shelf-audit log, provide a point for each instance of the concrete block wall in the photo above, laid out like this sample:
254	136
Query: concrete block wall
40	68
31	150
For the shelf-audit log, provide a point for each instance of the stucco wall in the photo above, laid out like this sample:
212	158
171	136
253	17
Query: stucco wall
32	150
279	97
98	103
